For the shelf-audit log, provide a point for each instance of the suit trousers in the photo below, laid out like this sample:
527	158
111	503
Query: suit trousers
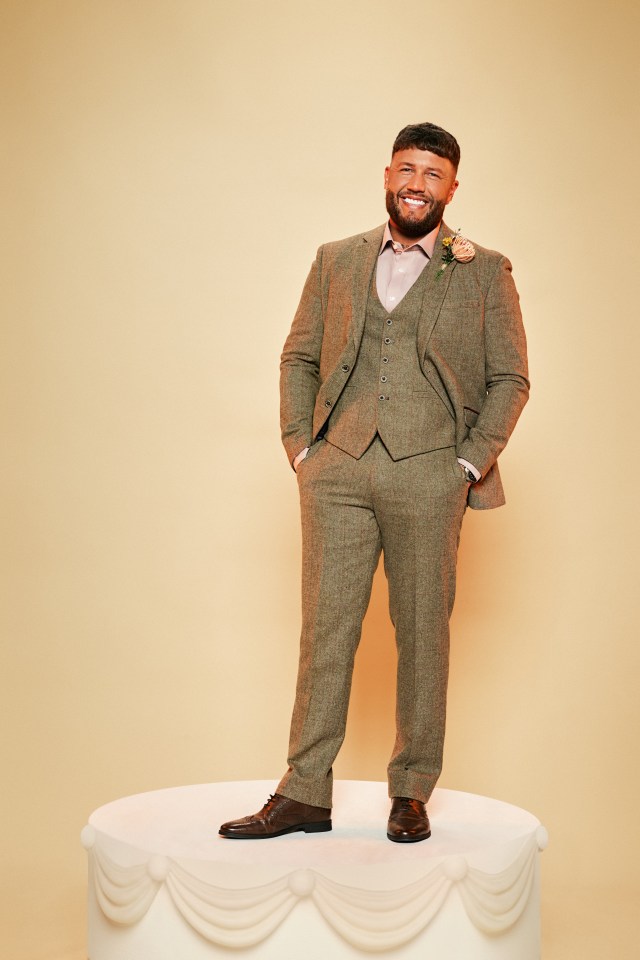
351	509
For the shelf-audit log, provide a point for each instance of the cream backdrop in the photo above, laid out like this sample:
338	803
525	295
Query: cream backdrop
169	169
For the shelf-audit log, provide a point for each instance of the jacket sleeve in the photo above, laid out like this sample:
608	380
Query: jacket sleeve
506	372
300	366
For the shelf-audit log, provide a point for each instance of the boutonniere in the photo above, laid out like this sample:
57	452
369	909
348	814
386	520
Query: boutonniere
456	249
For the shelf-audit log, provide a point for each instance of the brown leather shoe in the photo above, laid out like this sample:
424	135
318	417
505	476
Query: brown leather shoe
408	821
279	815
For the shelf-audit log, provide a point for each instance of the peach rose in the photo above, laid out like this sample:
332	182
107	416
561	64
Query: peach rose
462	249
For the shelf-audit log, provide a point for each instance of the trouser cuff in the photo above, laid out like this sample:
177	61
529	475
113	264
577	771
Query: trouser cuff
317	793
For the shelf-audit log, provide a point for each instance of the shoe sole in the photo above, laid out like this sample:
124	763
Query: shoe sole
321	827
408	839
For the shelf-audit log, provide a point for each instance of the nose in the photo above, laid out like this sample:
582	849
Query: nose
417	182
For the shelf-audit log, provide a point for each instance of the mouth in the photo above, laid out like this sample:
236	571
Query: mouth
414	203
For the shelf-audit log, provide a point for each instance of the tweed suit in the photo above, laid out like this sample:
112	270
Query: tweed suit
406	498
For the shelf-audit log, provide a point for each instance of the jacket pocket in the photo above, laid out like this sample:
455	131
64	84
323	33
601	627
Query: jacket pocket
471	304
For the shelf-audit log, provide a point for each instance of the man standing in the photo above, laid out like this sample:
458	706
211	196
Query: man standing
403	377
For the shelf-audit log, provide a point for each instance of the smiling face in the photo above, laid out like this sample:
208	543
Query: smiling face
419	185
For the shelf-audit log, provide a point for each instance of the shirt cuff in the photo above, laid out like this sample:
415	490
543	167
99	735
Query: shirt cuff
470	466
300	458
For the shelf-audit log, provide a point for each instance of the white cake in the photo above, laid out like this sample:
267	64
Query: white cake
164	886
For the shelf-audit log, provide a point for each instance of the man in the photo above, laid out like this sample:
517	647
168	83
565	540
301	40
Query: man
403	377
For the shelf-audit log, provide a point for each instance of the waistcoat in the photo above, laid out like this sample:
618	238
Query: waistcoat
387	393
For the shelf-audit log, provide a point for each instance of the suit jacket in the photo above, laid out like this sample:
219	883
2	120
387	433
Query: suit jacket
471	346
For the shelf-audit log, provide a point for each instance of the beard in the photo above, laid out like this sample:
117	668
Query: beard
419	225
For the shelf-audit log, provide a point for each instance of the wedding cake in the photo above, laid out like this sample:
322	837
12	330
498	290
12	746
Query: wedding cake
164	886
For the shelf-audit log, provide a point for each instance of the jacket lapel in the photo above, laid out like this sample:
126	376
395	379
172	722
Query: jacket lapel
365	257
435	290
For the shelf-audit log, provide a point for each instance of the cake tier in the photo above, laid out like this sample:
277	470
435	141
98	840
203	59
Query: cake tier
164	886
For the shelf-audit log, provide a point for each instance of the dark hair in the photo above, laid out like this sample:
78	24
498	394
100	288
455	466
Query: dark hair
427	136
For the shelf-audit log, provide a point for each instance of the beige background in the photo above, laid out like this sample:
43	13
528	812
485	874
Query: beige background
151	529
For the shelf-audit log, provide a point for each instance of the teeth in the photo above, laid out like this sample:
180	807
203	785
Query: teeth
413	202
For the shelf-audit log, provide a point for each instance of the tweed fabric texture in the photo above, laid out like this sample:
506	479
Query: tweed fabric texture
387	391
352	509
466	345
471	348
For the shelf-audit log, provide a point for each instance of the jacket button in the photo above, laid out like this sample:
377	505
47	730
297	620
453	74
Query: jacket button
345	367
385	359
387	339
383	379
327	403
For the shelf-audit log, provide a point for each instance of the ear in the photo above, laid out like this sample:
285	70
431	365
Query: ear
386	177
454	187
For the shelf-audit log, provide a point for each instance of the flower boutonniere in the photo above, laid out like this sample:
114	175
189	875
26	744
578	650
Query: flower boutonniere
457	249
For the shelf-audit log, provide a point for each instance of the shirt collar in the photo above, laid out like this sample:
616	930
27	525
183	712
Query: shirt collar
426	243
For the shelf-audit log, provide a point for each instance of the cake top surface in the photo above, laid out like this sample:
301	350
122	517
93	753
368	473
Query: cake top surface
182	823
